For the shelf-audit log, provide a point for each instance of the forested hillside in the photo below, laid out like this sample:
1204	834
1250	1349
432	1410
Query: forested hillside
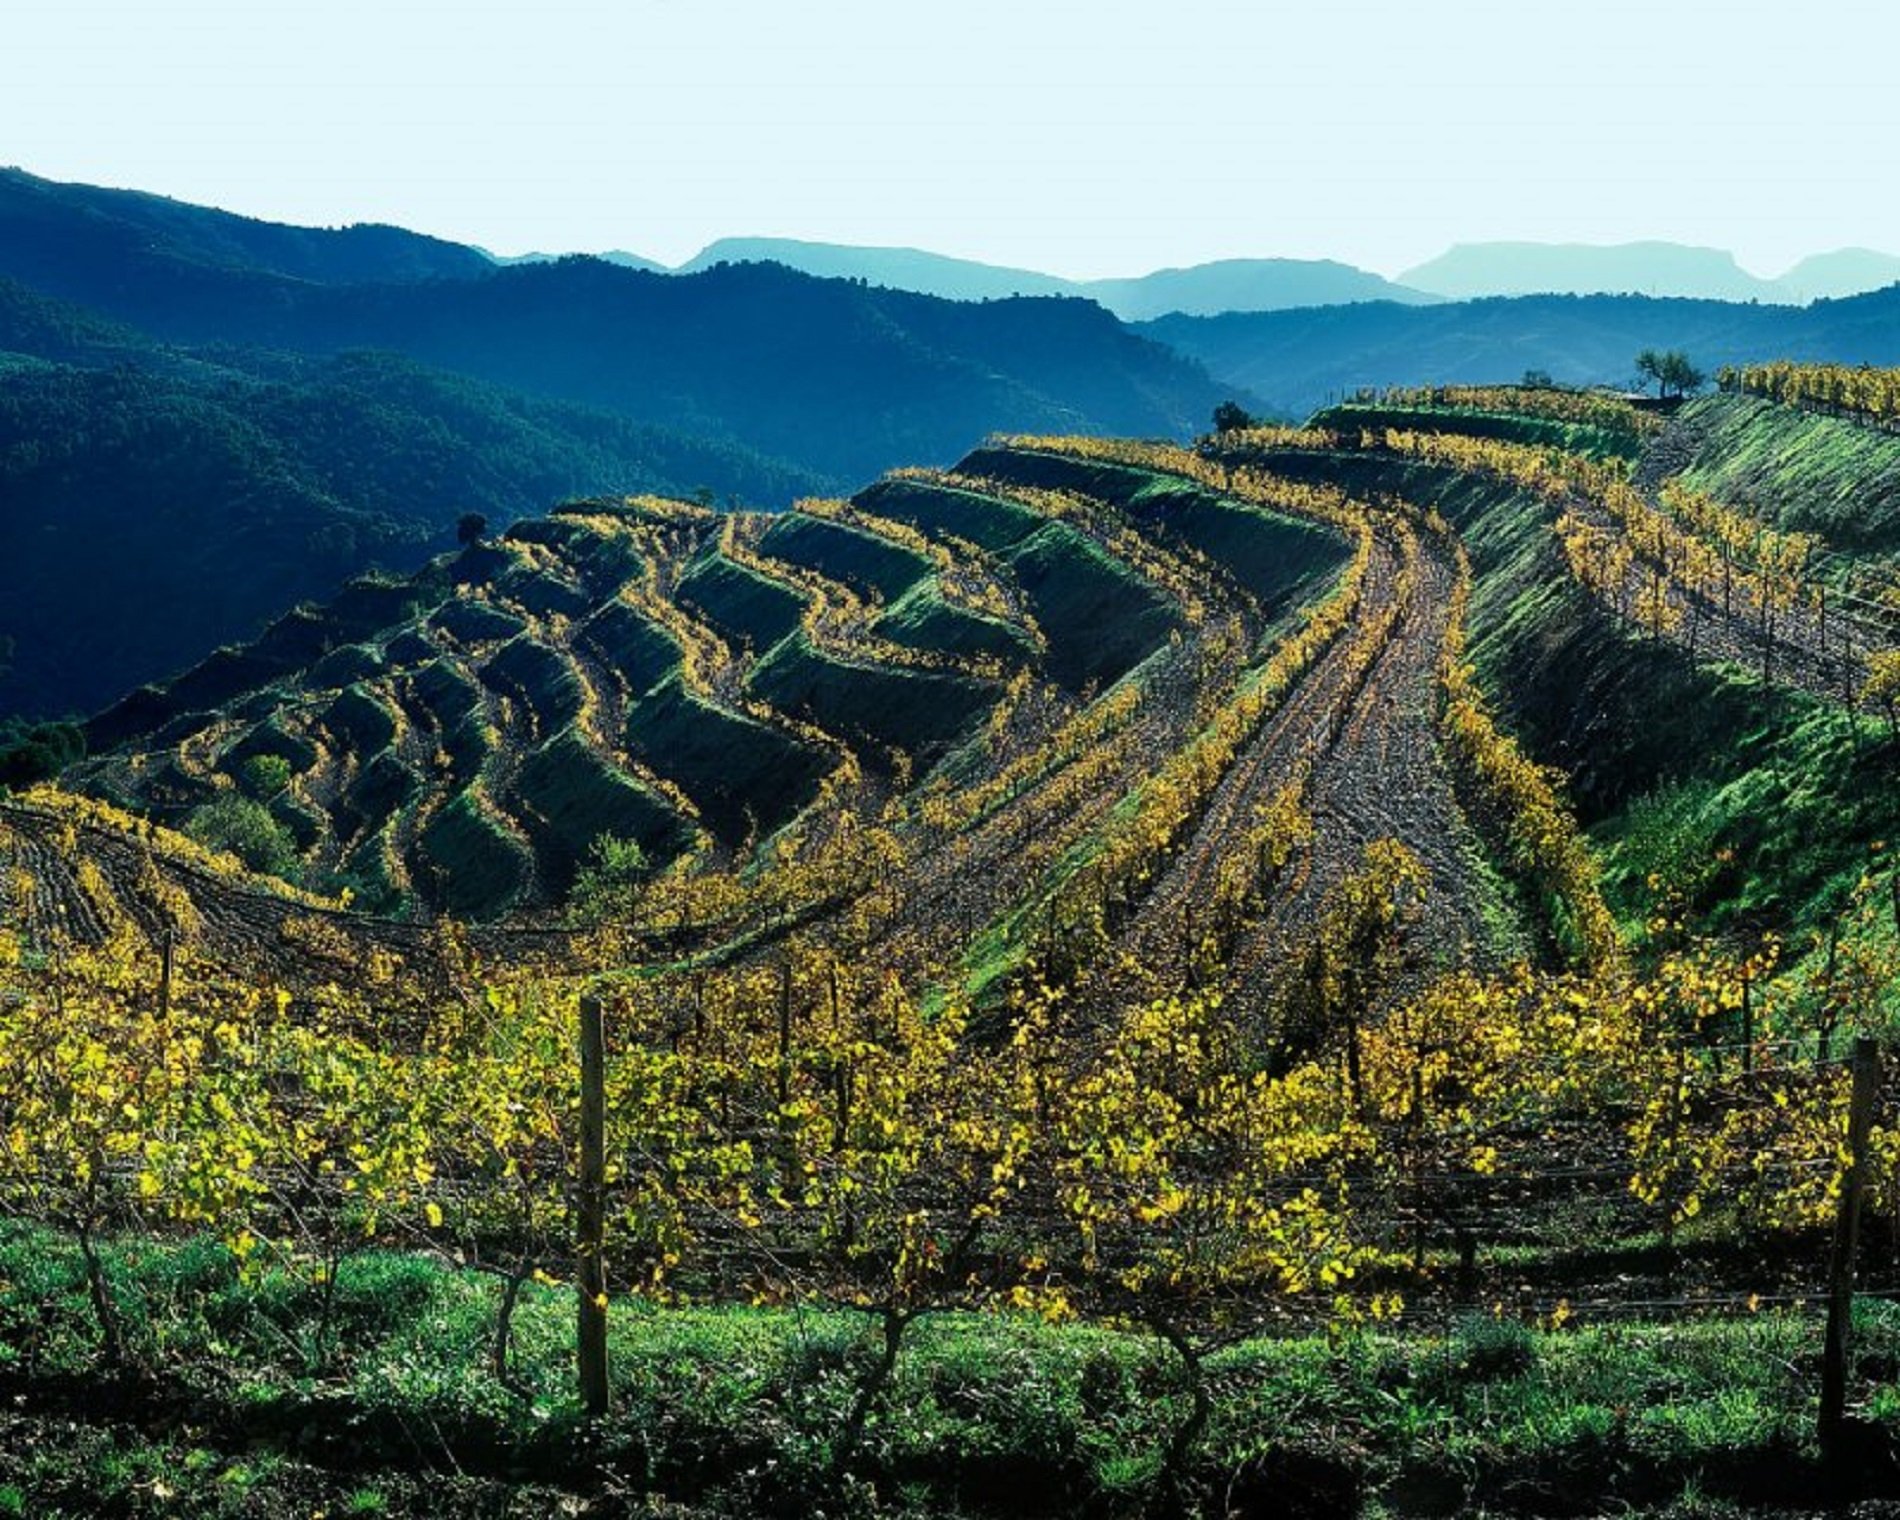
136	252
162	506
839	377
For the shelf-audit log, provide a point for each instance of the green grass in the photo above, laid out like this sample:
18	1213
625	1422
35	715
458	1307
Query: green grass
305	824
738	601
843	553
745	776
569	796
383	789
541	593
545	678
372	606
1772	828
360	720
992	525
1278	559
1818	474
447	693
889	706
602	561
1101	619
923	619
736	1411
271	738
639	650
1275	557
220	677
482	868
344	667
476	622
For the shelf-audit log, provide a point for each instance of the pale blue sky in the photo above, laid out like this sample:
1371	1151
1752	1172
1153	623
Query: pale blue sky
1083	139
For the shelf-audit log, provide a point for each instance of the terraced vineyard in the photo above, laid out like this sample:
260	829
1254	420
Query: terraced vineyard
1075	687
1430	862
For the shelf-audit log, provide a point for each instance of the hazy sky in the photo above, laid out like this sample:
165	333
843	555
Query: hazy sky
1086	139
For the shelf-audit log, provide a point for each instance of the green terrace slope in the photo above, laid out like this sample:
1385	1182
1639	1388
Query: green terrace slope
461	739
1805	470
1542	432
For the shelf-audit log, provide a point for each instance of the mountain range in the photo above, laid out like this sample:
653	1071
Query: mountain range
1225	285
173	232
206	418
1467	272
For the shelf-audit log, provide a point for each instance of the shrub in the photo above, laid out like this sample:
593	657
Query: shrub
241	826
29	755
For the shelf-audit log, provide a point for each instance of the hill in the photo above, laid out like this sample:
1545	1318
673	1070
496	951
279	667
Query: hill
1471	270
828	374
459	738
1802	470
612	256
1247	285
646	670
841	379
164	505
124	249
912	269
1298	361
1844	272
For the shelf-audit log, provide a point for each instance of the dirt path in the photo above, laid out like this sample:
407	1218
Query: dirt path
1365	736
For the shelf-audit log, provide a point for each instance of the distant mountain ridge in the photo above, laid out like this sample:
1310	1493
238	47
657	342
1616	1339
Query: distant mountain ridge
841	379
1248	285
1472	271
1200	289
68	239
1844	272
834	377
914	269
611	256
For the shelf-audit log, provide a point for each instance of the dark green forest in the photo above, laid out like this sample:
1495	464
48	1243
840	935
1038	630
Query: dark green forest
184	507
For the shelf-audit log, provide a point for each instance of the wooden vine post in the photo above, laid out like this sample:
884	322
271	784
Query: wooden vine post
167	952
1840	1303
591	1211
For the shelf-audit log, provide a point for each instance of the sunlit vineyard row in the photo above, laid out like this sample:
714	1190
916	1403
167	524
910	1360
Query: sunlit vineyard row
1860	390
